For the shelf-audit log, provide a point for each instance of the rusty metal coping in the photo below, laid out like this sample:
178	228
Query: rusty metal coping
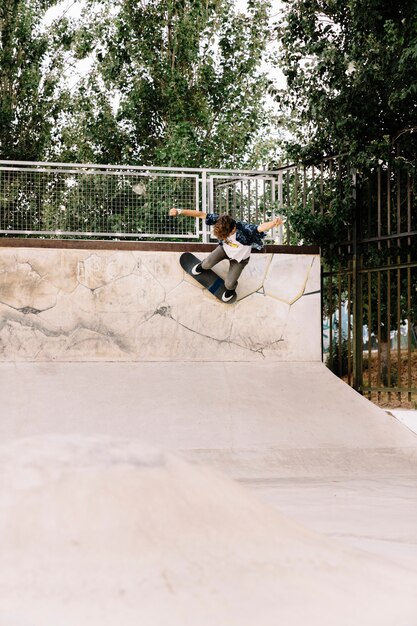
73	244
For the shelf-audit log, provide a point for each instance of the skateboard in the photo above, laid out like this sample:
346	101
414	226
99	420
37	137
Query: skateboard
209	279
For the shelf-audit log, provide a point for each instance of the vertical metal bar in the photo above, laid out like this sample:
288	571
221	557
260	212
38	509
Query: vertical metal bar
349	346
389	205
409	224
322	287
287	178
369	331
389	328
331	320
280	203
205	233
321	188
197	206
241	217
313	207
304	187
356	286
248	183
234	200
296	186
378	380
257	200
409	325
379	206
273	197
398	205
408	206
399	364
339	337
369	203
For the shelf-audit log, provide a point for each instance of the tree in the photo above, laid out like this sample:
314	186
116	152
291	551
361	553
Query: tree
31	62
174	82
352	91
351	69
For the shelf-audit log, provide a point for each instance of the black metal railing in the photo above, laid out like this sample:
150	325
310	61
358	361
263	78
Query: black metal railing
370	297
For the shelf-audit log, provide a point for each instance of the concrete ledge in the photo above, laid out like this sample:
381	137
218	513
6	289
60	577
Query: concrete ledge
150	246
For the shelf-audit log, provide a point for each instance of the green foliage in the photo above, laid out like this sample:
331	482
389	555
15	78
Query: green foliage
31	62
327	229
173	83
320	210
352	75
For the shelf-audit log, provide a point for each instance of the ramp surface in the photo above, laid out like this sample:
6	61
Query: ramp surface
253	419
239	387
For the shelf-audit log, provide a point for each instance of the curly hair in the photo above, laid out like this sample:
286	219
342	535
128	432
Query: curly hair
223	226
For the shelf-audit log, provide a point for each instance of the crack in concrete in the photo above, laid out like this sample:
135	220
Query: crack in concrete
26	262
294	301
26	310
165	311
109	283
300	294
228	340
112	280
67	336
250	294
312	293
109	335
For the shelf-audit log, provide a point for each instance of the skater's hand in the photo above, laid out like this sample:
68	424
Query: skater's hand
173	212
277	222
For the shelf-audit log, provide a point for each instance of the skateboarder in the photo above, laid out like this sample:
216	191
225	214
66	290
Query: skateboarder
236	240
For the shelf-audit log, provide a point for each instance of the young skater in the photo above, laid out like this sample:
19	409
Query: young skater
236	240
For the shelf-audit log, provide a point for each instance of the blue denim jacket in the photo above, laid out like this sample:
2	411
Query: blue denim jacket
246	234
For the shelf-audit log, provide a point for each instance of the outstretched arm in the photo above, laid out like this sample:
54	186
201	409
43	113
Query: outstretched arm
262	228
187	213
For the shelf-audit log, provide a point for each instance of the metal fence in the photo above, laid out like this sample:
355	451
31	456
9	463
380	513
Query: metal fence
369	289
83	200
370	298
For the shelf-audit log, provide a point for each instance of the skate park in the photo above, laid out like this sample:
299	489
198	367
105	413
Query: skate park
176	448
167	459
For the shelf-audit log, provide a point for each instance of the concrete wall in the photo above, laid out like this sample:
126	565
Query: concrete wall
85	305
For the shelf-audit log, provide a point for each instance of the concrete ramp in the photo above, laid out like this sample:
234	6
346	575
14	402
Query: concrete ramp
103	352
111	305
102	532
241	386
251	419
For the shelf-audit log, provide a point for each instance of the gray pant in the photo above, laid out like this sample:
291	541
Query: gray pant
235	268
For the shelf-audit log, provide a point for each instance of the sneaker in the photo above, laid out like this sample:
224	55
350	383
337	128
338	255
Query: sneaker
197	269
228	295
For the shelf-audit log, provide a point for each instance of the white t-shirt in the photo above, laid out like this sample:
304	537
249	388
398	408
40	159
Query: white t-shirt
236	250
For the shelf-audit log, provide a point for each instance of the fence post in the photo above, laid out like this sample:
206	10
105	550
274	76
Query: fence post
356	285
205	232
280	204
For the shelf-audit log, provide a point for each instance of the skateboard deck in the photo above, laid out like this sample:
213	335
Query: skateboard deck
209	279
